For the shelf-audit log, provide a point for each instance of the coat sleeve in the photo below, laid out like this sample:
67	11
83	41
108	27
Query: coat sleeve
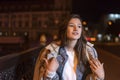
92	52
40	67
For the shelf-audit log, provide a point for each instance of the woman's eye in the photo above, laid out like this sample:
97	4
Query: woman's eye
79	26
71	25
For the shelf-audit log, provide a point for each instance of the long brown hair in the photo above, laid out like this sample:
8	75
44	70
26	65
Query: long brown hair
80	46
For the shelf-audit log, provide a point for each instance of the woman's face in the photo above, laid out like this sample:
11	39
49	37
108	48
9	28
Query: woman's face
74	29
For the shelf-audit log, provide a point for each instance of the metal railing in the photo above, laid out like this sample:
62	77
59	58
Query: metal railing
19	66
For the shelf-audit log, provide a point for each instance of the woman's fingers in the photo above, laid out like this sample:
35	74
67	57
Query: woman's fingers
51	64
53	61
98	62
92	65
95	63
50	61
97	68
46	61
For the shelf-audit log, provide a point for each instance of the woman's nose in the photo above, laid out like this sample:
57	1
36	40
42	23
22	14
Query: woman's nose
75	27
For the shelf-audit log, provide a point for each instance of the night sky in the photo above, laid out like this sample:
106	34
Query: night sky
92	10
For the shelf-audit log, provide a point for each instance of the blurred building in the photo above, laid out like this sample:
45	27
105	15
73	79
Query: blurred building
110	27
30	18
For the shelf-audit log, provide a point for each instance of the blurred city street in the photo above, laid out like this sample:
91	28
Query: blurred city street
27	26
111	62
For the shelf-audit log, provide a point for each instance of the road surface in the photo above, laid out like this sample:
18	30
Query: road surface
111	64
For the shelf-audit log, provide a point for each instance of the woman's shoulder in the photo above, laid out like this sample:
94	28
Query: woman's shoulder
53	46
91	50
52	50
90	44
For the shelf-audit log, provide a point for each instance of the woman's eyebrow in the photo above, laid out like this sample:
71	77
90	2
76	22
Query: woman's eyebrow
70	23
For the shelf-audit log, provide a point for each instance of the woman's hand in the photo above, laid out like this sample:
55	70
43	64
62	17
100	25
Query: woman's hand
52	64
97	68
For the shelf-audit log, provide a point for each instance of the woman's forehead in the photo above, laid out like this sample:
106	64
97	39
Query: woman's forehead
77	20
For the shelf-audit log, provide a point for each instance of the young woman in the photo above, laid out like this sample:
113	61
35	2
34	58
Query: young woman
69	58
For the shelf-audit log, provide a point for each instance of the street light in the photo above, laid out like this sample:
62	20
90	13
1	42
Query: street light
109	23
84	23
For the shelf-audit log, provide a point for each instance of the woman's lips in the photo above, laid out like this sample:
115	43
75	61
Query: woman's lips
75	33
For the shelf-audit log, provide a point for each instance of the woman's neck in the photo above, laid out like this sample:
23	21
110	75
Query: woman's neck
71	44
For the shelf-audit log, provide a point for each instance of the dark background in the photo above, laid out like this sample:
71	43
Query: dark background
94	9
91	10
